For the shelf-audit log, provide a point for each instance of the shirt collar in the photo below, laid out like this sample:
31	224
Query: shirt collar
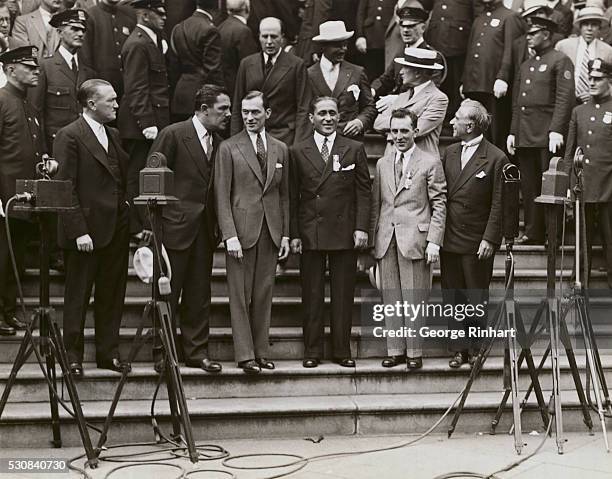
152	35
241	18
93	124
46	16
66	55
200	129
274	58
420	87
407	154
253	136
417	43
318	138
205	13
473	142
326	65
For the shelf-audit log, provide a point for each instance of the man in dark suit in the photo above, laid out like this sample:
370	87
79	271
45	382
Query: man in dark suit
33	28
373	17
330	213
95	236
543	99
190	226
237	40
144	108
55	96
21	148
252	205
197	45
473	233
283	79
333	76
108	27
489	46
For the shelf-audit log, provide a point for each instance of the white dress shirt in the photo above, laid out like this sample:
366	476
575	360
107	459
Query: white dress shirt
319	139
203	134
468	149
67	56
407	156
330	72
253	137
98	130
274	58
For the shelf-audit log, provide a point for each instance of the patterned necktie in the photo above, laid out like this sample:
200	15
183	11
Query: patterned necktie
582	85
399	170
268	66
325	150
261	155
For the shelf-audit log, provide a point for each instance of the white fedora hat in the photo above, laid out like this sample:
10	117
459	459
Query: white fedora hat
143	263
332	31
590	13
419	58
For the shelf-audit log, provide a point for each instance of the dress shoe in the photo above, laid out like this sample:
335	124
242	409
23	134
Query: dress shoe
457	360
310	362
205	364
249	367
263	363
6	330
76	370
393	361
15	322
345	362
114	364
414	363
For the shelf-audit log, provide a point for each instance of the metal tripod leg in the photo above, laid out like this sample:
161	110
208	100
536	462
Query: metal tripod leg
553	319
514	376
44	315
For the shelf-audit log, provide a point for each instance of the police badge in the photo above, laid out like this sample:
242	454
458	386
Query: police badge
607	118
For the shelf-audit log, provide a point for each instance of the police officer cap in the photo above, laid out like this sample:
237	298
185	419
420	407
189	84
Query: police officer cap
158	6
412	15
599	68
537	23
69	17
27	55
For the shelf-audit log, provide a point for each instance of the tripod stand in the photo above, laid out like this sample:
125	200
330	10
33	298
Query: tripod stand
158	313
51	343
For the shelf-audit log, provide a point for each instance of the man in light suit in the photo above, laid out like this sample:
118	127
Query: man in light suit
473	233
333	76
423	98
252	205
283	78
408	214
34	28
330	208
585	47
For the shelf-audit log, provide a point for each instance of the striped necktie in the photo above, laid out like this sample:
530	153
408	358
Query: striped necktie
582	85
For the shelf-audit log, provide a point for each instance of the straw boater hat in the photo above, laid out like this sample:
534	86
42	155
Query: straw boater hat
590	13
419	58
332	31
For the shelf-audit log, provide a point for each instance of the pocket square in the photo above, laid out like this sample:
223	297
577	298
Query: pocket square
481	175
279	165
348	168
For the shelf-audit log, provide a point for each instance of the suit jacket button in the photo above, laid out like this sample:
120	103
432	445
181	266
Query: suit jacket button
318	196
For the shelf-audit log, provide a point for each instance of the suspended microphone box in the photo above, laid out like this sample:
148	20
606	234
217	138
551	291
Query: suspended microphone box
47	195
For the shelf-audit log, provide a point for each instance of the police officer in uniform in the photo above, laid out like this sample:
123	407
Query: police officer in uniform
144	108
108	27
490	43
543	99
373	17
21	148
590	129
55	97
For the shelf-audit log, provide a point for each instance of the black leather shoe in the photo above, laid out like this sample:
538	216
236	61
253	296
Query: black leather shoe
249	367
263	363
114	364
345	362
310	363
393	361
6	330
76	370
14	322
414	363
457	360
205	364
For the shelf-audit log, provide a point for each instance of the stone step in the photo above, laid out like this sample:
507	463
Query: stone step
290	379
25	425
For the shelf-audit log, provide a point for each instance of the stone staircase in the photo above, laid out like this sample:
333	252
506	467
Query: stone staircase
292	400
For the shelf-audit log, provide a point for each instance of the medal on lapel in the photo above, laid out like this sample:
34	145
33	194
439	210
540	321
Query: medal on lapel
336	163
607	118
408	182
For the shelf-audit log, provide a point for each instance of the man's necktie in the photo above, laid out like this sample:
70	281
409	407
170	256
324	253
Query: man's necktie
399	170
268	66
160	44
582	85
261	156
325	150
330	79
464	157
74	68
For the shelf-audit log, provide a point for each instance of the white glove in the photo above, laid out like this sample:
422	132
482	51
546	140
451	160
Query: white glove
84	244
385	102
361	44
150	133
234	248
432	253
510	144
555	142
500	88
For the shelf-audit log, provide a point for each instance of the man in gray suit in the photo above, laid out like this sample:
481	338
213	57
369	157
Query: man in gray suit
34	28
408	217
422	97
252	204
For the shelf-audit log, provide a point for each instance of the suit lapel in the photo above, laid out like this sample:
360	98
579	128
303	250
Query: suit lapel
63	66
411	167
318	80
194	147
271	165
388	172
39	26
338	149
311	152
477	161
344	76
248	152
279	70
93	145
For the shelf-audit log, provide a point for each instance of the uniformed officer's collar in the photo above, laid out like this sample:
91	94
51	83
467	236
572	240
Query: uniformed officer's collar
490	7
545	50
15	91
204	12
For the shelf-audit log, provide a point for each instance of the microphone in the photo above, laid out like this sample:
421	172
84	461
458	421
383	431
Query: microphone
510	200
